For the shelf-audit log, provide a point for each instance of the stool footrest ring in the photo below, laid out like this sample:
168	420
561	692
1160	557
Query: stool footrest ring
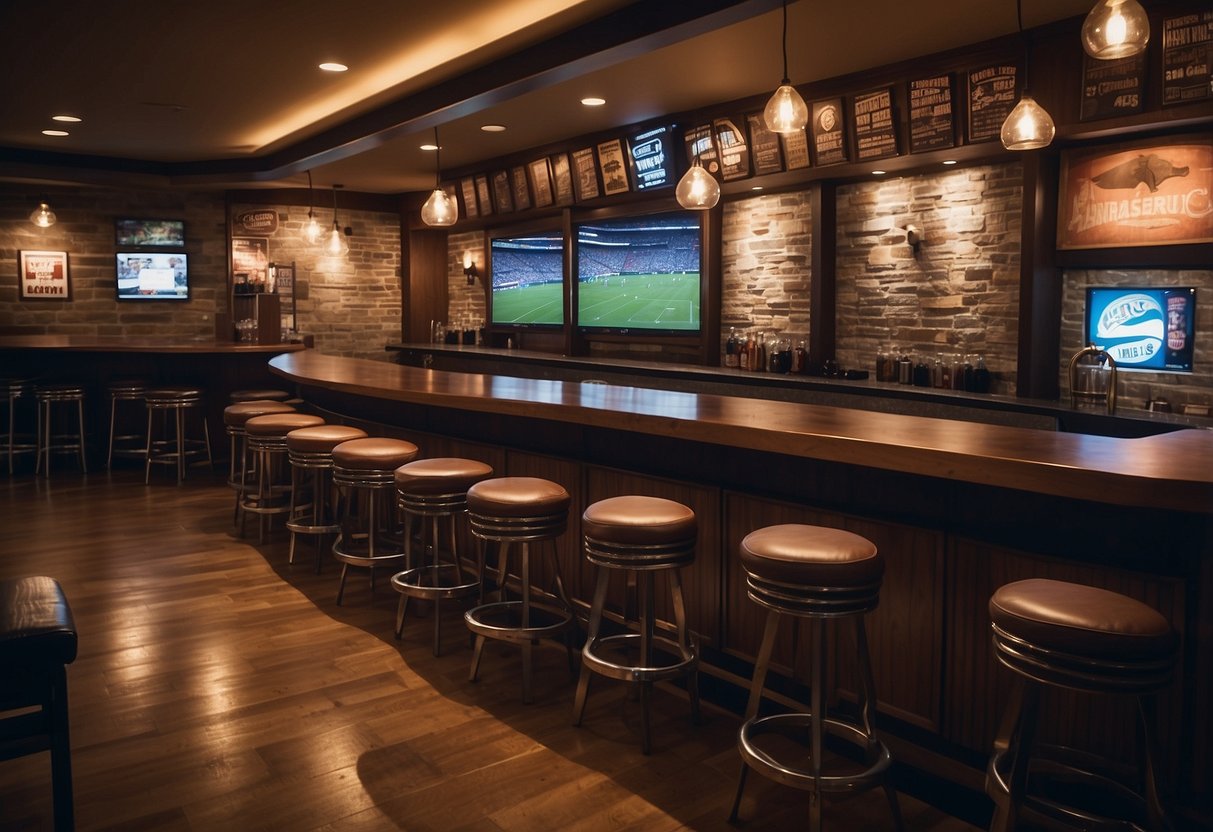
503	620
442	581
620	666
796	727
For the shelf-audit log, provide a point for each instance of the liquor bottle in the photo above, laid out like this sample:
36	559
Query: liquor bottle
967	386
730	348
981	376
922	374
958	372
800	359
746	350
937	372
905	369
758	362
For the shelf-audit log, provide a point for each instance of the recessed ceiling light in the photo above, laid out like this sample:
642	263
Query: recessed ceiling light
333	66
430	147
71	119
756	188
879	172
55	133
949	161
593	101
493	128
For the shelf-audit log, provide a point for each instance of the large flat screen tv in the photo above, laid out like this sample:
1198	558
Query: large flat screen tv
527	274
1143	328
152	275
639	274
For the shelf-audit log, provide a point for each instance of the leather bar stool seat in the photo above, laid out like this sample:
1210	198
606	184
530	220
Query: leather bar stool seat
266	438
820	574
432	490
175	447
49	442
1083	638
258	395
37	642
515	512
313	506
641	537
369	536
124	444
15	390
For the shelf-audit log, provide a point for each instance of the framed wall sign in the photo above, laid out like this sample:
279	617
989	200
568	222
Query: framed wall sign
874	125
1147	193
795	149
829	141
764	146
1112	88
585	174
562	179
700	145
932	122
467	186
43	275
483	197
541	182
521	190
1187	58
991	99
614	167
503	200
158	233
733	149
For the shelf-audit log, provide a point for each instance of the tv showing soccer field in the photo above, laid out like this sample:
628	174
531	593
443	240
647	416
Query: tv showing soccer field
527	274
639	274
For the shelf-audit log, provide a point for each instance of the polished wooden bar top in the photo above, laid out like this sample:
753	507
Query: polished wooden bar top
1171	470
101	343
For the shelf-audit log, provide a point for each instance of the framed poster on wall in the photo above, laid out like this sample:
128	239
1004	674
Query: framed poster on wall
43	275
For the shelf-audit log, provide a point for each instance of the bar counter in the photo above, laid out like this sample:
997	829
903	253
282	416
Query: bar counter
958	508
108	344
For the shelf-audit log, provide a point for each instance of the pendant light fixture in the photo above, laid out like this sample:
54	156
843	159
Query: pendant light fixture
312	230
336	245
1115	29
1028	126
697	189
439	210
786	112
43	216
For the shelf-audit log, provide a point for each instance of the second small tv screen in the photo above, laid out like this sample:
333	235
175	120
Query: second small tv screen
528	279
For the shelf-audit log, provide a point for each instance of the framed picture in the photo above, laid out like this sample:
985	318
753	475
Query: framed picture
614	167
483	196
764	146
522	191
1145	193
468	187
541	182
992	95
562	176
43	275
158	233
585	179
503	201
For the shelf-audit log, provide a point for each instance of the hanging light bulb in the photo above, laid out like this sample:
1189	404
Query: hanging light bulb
336	245
786	112
43	216
1115	29
1028	126
439	209
698	189
312	230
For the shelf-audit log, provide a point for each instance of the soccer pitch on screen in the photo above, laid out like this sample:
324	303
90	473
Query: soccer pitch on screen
640	301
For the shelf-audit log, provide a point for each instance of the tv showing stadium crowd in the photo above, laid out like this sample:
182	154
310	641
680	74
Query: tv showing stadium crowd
527	279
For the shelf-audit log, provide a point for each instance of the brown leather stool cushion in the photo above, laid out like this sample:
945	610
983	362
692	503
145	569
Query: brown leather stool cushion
374	454
795	553
321	439
639	521
280	424
235	415
1080	620
168	394
517	497
442	475
258	395
36	624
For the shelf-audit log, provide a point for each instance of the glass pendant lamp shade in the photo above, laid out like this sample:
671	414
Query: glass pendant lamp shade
439	210
43	216
1115	29
312	230
335	244
1028	126
698	189
786	112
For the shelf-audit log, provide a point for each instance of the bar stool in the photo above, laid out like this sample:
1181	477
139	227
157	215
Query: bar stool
640	537
819	574
310	452
253	395
369	536
519	510
430	489
1058	634
124	390
176	448
266	438
15	390
234	417
48	442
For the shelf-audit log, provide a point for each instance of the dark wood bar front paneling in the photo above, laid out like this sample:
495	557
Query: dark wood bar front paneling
957	509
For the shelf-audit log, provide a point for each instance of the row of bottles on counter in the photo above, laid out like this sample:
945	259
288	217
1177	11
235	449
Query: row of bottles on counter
955	372
762	354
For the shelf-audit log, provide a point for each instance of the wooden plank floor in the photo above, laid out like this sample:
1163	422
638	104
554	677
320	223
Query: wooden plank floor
218	688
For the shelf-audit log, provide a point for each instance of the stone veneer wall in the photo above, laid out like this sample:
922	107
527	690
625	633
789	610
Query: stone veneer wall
958	294
766	245
465	303
1136	388
85	230
351	305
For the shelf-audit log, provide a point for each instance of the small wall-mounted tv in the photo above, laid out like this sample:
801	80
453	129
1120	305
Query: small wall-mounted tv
158	233
640	274
152	275
527	279
1143	328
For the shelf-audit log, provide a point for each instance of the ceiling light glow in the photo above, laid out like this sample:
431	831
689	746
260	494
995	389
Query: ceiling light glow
69	119
333	66
55	133
493	128
593	101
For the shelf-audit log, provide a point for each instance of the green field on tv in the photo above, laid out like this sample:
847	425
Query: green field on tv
632	301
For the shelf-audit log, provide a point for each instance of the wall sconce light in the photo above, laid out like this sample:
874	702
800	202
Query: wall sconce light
469	268
1115	29
43	216
913	237
336	245
1028	126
